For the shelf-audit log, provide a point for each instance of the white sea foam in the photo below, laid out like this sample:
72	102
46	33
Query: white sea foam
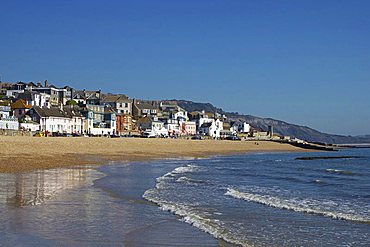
169	176
191	216
299	205
188	213
339	171
184	169
318	181
187	180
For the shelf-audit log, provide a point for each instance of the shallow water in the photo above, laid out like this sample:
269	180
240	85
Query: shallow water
273	199
251	200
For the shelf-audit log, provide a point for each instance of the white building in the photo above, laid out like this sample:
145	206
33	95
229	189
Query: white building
7	121
13	92
180	115
57	95
203	120
240	127
152	125
212	129
56	120
35	98
173	127
29	125
159	129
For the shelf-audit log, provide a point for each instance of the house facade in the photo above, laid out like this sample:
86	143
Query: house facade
20	108
189	128
57	95
125	124
153	125
142	109
240	127
121	103
35	98
85	97
26	123
13	89
6	120
57	120
212	129
99	120
173	127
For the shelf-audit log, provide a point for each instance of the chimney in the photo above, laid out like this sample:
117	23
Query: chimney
38	84
46	83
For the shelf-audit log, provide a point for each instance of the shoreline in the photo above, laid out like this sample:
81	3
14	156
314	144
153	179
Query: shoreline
22	154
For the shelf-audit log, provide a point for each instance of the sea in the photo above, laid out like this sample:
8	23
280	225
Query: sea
260	199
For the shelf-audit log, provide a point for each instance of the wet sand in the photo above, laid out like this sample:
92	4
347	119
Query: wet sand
21	154
84	206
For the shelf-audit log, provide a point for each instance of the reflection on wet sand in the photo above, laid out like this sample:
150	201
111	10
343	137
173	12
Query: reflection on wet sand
89	207
33	188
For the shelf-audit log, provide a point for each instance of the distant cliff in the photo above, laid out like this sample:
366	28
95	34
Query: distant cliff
280	127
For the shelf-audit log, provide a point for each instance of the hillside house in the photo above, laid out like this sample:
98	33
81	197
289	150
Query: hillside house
20	108
58	96
84	97
13	89
35	98
121	103
142	109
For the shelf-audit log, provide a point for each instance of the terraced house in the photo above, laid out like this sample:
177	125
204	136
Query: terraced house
100	120
65	120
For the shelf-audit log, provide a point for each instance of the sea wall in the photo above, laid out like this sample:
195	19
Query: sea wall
6	132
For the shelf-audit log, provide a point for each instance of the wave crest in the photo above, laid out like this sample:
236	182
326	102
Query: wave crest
295	204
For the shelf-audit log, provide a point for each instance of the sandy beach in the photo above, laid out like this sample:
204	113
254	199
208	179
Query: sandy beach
20	154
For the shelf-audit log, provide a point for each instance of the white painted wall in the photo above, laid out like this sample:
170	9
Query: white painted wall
62	125
30	126
9	123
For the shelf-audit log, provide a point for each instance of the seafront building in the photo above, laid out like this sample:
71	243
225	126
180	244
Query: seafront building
66	120
67	111
6	120
100	120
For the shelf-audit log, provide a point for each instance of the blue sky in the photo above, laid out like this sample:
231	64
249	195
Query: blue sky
305	62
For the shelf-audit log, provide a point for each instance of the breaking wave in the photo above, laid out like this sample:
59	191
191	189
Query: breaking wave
189	180
309	206
191	216
336	171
